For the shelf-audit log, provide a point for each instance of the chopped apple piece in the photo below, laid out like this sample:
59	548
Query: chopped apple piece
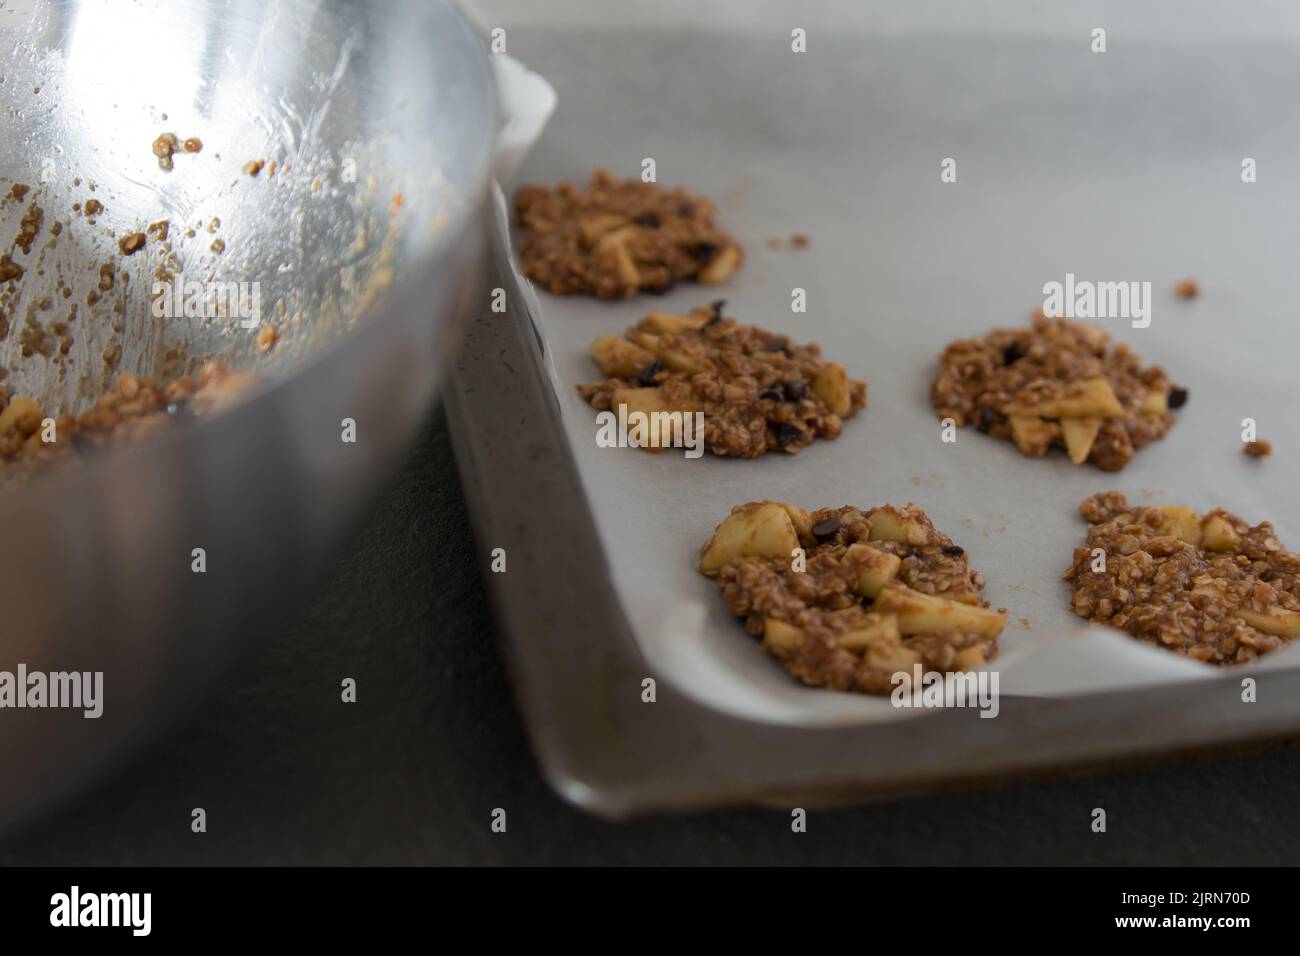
831	385
1218	534
970	659
719	269
1080	433
1033	435
891	657
593	227
1180	522
639	399
681	362
672	323
1155	403
877	627
1093	398
781	637
876	568
760	530
925	614
801	520
614	244
659	430
619	358
1277	622
889	524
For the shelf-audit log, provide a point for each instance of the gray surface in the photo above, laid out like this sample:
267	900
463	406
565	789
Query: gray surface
410	773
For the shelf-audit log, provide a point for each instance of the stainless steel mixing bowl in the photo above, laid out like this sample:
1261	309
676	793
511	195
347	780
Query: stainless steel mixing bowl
365	243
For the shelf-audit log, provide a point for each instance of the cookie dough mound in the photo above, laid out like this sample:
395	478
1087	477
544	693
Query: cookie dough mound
880	591
1209	587
620	237
758	390
1058	383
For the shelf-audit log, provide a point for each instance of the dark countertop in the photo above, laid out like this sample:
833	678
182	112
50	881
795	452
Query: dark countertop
412	771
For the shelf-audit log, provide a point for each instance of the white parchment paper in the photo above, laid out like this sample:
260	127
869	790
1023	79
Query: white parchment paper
1117	166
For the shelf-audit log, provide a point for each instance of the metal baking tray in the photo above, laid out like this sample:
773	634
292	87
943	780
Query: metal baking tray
846	147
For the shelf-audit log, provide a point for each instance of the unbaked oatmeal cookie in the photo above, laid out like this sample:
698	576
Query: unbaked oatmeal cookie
1057	383
1210	587
758	390
619	237
880	591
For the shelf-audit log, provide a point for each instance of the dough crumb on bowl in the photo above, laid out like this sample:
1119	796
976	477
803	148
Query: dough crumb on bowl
135	408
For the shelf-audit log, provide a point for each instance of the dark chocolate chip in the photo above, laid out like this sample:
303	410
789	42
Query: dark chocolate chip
953	550
778	344
826	529
1012	353
717	306
1177	397
787	434
704	251
986	419
646	377
650	219
772	393
795	390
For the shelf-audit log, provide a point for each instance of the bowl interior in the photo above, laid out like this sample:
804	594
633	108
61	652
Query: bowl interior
372	125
